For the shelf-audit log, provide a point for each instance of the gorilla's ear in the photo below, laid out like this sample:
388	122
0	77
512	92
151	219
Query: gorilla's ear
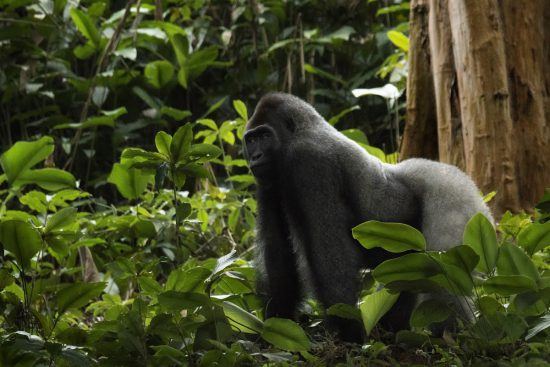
289	123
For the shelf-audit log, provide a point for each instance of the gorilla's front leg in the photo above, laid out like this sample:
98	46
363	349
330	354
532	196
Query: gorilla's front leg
323	222
277	279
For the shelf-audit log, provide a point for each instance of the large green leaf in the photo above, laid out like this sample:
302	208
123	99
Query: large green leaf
454	279
77	295
162	142
429	312
242	320
130	182
285	334
480	235
393	237
21	239
86	26
512	260
203	152
461	256
62	218
240	107
507	285
51	179
399	39
159	73
181	143
23	155
408	267
535	237
376	305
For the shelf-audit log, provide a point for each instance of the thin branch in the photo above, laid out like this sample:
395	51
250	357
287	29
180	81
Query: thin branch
111	45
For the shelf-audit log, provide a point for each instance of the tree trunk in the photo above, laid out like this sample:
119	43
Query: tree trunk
449	129
490	65
420	135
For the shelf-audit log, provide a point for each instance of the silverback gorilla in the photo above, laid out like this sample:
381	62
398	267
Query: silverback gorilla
314	184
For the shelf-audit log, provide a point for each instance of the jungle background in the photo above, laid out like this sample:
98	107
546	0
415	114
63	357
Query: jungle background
127	209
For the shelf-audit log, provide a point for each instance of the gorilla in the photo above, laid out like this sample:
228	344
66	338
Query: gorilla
314	185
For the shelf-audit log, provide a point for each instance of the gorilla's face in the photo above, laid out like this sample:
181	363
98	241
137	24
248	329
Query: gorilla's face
262	146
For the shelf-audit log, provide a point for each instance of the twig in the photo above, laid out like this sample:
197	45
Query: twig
100	65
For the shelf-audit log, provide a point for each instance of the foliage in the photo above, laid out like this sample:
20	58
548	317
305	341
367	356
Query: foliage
121	135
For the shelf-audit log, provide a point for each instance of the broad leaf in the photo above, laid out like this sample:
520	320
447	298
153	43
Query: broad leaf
376	305
51	179
535	237
162	142
481	237
415	266
85	25
461	256
285	334
159	73
61	219
130	182
242	320
240	107
399	39
21	239
181	143
393	237
23	155
203	152
512	260
77	295
507	285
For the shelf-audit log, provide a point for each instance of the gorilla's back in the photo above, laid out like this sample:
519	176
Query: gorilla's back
448	196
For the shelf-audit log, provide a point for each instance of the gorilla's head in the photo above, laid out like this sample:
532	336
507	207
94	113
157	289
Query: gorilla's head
278	116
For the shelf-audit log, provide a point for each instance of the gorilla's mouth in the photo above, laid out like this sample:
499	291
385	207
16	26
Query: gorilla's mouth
258	164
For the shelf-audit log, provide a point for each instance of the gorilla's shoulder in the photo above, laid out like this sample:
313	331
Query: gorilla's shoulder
428	174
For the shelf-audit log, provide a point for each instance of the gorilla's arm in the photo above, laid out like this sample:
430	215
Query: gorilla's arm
323	222
275	261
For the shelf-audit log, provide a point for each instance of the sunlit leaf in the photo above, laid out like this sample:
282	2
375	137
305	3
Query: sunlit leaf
376	305
130	182
162	142
51	179
393	237
24	155
399	39
86	26
242	320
